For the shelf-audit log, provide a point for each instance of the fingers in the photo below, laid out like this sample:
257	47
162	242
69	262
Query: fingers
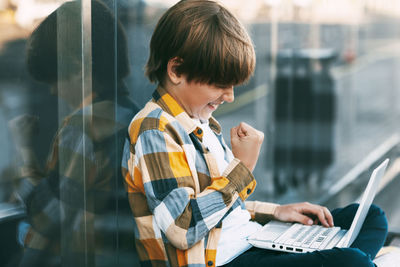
321	217
245	129
293	213
241	129
322	213
241	132
329	217
324	216
301	218
233	132
305	213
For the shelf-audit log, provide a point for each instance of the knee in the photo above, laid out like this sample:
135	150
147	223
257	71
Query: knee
375	210
378	216
356	257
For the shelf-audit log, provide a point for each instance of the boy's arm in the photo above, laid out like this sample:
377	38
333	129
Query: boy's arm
305	213
160	165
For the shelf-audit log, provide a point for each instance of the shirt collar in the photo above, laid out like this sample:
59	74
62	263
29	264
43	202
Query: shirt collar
171	106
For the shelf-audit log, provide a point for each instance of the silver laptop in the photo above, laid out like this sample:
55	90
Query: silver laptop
299	238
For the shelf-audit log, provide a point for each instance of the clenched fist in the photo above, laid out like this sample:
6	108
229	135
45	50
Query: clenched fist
246	144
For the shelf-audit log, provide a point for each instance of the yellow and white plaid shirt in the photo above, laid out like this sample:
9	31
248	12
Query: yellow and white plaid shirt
177	194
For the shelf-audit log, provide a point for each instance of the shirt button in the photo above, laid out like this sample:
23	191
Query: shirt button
210	263
248	190
199	131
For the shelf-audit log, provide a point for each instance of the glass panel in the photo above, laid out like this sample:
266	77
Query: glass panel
99	221
67	108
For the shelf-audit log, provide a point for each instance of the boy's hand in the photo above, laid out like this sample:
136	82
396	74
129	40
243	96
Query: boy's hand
246	143
305	213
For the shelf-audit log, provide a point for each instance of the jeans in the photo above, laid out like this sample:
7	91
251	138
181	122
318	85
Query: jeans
361	253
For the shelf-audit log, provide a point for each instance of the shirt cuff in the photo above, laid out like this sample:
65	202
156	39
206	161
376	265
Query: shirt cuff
241	178
261	207
261	212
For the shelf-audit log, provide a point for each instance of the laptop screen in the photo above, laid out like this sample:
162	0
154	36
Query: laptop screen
365	203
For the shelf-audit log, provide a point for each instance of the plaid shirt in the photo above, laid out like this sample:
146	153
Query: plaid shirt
177	195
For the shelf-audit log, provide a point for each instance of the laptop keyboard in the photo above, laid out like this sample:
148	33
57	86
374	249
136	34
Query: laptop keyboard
299	236
327	235
307	236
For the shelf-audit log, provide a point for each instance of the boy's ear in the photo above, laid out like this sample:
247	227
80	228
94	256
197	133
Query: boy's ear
174	76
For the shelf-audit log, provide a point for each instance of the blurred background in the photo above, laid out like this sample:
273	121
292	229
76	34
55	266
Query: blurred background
326	93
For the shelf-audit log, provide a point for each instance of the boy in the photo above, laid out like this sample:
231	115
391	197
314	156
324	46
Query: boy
186	188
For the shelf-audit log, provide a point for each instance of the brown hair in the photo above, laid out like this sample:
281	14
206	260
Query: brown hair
213	45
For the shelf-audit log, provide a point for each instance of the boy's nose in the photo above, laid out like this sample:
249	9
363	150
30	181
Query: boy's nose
228	95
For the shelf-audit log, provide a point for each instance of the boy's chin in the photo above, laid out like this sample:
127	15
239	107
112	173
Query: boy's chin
201	117
205	117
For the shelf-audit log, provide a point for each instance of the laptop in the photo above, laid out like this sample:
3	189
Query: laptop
299	238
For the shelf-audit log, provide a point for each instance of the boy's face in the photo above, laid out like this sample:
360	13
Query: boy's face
201	100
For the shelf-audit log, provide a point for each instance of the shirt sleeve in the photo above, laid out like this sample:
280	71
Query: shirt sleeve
184	216
261	212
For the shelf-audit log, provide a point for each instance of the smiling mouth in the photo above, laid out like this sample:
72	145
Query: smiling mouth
215	105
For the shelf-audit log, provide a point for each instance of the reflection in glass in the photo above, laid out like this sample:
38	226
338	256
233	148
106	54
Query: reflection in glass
72	203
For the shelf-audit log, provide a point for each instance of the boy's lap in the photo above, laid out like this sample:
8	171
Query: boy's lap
342	257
